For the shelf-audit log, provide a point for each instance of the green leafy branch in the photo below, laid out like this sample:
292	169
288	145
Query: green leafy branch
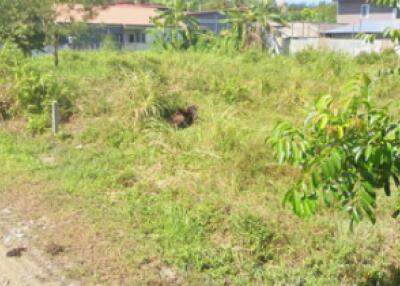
347	150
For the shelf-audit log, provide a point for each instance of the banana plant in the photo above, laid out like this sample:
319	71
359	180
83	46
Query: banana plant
262	14
238	23
175	20
252	25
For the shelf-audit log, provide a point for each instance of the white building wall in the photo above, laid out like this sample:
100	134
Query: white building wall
350	46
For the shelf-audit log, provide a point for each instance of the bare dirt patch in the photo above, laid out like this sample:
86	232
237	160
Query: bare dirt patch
20	262
62	244
54	239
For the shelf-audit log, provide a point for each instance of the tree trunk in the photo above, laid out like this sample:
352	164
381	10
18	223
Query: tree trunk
56	47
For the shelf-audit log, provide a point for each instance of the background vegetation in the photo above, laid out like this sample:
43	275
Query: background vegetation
205	201
322	13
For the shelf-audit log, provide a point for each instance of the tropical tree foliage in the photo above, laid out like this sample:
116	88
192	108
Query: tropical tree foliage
22	24
392	33
346	152
31	25
175	27
251	26
323	13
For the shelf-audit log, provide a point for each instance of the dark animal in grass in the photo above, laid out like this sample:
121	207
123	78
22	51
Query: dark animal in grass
16	252
184	118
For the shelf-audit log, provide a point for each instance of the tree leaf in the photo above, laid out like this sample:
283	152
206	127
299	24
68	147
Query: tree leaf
340	132
323	122
323	102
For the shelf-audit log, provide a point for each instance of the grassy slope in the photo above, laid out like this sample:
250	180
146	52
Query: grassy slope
206	200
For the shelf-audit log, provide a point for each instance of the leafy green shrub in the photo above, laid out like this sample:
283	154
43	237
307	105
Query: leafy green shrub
37	123
35	91
10	59
347	150
27	90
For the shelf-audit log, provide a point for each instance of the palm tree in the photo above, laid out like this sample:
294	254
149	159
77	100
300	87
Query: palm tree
252	25
238	23
174	21
263	13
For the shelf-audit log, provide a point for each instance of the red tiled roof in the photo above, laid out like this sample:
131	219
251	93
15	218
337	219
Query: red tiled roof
116	14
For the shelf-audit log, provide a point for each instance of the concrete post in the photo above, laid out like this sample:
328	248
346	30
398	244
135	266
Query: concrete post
55	118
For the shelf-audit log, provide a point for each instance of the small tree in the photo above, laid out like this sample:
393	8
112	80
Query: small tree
31	25
21	24
346	152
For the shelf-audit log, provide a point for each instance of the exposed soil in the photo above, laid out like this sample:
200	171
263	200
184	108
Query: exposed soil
20	263
62	246
40	244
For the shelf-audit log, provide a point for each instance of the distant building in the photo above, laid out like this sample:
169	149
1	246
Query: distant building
356	11
128	24
210	20
362	16
354	17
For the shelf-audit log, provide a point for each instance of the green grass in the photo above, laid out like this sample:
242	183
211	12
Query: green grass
207	200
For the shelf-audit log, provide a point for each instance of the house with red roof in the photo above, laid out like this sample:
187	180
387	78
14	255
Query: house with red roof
127	23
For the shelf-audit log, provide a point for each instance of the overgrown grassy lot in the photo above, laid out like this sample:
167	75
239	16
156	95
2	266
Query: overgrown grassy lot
203	202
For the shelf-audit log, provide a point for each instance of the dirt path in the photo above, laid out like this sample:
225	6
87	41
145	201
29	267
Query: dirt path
23	271
32	268
37	216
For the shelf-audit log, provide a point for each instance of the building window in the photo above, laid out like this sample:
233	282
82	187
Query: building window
137	37
365	10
